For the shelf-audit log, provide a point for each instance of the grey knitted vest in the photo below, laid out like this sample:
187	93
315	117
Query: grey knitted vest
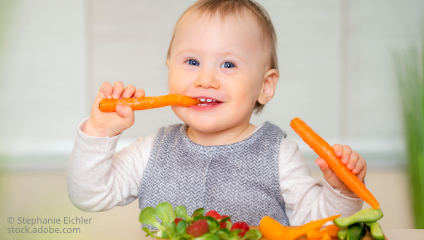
239	179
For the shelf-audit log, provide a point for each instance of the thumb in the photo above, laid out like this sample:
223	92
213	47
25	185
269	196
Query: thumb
323	166
126	113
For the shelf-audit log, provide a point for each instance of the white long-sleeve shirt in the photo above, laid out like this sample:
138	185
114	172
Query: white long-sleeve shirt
100	179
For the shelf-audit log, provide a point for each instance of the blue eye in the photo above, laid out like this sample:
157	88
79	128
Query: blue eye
227	65
193	62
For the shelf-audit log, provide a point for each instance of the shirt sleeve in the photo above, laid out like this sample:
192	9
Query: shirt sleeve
99	179
308	199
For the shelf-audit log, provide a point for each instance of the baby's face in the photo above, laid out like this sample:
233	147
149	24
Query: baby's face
223	62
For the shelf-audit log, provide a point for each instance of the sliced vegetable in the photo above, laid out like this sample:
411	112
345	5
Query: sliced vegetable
315	234
375	230
294	233
273	230
365	215
332	230
342	234
109	105
356	231
325	151
326	237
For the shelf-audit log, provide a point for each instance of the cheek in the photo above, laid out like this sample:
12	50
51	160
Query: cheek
175	83
246	90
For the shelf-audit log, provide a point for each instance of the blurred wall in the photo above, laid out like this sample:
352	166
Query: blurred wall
335	65
43	81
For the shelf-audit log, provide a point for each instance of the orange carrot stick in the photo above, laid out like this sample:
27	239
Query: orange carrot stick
326	237
271	229
315	234
109	105
325	151
331	230
313	225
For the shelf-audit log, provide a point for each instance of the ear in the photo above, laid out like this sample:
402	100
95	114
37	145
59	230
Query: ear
269	85
167	62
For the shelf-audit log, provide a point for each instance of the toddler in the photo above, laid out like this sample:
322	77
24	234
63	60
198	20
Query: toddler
223	52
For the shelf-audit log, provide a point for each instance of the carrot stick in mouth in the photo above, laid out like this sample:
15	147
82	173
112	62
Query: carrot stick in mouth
325	151
109	105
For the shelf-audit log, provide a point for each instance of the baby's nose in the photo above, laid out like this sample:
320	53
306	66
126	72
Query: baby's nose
207	79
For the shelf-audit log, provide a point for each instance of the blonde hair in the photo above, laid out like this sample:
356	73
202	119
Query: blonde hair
227	8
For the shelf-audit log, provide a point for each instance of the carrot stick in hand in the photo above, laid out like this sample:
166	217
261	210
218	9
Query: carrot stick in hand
109	105
325	151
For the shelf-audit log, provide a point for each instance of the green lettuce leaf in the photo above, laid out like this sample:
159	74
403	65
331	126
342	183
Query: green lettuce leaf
165	212
148	216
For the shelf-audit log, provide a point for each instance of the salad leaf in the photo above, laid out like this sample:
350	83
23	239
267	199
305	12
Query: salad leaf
170	230
200	211
181	212
182	227
149	233
223	234
234	233
229	224
198	217
148	216
207	236
214	225
165	212
225	219
252	235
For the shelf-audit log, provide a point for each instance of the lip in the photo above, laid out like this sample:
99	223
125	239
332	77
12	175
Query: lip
206	108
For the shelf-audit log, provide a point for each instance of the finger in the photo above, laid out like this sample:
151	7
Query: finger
106	89
353	160
347	152
359	165
362	173
139	93
126	113
323	166
338	150
128	91
118	87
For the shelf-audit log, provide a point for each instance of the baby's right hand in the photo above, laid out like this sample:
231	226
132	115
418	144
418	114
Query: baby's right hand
103	124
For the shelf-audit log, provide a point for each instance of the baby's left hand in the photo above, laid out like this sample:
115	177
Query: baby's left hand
352	160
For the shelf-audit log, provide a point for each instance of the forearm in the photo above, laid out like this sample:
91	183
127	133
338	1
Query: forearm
98	180
322	202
